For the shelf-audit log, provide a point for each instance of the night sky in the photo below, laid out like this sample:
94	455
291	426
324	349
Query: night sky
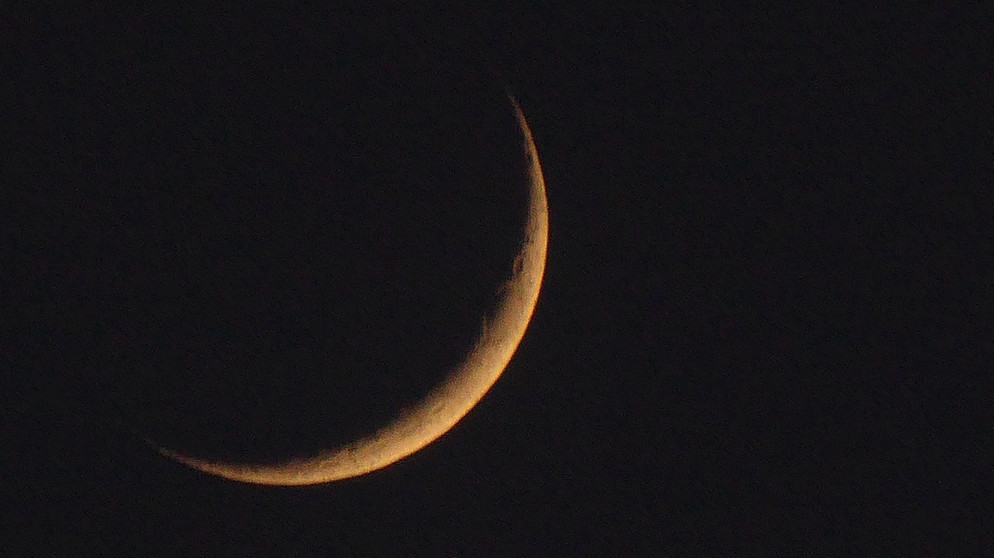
250	234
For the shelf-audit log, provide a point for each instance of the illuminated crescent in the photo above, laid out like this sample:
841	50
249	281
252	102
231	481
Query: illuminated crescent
454	397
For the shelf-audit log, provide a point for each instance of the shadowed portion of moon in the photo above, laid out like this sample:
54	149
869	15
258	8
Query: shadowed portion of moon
272	255
278	256
450	400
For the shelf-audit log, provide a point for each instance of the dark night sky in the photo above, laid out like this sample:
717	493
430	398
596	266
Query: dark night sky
765	324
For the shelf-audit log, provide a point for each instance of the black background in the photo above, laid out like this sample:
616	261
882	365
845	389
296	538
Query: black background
765	324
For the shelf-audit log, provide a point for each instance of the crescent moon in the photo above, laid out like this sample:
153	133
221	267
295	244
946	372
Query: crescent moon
449	401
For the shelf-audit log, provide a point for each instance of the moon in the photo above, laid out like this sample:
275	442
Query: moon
455	396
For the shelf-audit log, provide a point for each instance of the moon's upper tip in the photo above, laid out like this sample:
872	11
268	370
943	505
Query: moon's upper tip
514	102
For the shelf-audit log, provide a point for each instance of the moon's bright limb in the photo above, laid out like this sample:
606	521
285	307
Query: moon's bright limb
448	402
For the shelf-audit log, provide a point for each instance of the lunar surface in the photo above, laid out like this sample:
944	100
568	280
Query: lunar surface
449	401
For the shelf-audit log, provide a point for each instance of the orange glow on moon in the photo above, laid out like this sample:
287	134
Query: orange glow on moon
454	397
